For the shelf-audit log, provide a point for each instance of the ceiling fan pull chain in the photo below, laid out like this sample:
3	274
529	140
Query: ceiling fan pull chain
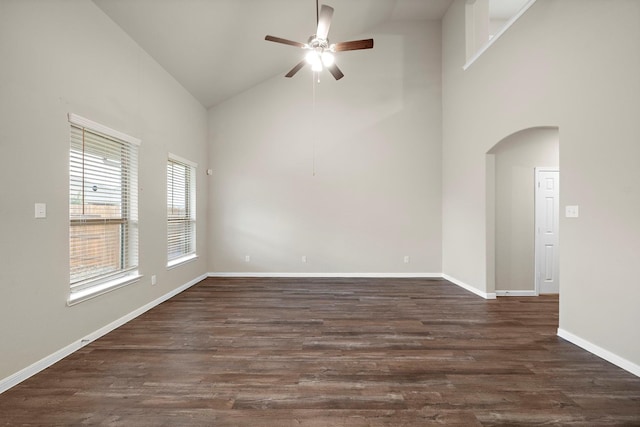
313	122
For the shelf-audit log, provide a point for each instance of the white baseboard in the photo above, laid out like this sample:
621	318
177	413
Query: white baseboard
485	295
516	293
18	377
600	352
42	364
347	275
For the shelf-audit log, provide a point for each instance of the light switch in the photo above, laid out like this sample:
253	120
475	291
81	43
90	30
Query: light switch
571	211
41	210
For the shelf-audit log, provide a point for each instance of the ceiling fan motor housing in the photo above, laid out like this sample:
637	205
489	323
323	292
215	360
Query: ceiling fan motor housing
318	43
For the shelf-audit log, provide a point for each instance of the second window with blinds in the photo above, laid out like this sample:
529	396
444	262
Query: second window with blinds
181	211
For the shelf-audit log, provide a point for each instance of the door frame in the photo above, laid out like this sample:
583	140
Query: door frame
538	239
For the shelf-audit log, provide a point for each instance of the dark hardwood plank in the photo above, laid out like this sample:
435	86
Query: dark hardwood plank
339	352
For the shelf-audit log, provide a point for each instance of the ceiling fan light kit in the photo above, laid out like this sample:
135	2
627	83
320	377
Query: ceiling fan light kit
320	53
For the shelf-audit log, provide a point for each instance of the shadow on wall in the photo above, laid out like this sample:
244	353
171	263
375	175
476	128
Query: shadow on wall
510	174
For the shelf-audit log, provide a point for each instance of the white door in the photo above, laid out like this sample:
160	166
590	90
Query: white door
547	217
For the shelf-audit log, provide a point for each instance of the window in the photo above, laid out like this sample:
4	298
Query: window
103	209
181	210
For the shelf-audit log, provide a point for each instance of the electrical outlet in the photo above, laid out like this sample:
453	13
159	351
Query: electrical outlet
407	259
153	279
247	258
304	258
572	211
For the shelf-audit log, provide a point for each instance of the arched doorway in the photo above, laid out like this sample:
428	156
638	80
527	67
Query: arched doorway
511	188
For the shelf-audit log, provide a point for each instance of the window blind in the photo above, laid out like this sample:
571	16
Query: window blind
181	209
103	207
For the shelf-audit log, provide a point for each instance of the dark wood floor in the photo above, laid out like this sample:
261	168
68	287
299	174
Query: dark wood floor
331	352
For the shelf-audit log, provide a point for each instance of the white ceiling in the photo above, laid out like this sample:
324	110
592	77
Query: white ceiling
216	48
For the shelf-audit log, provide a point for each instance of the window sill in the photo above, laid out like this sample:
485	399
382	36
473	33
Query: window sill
102	288
182	260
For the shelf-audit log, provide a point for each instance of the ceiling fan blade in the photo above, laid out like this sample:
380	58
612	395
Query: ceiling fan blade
353	45
284	41
297	68
335	71
324	21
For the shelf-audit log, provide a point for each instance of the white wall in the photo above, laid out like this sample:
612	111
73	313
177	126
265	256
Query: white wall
573	64
375	140
67	56
516	158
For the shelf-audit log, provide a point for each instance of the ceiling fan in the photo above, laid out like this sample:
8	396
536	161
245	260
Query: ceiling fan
320	52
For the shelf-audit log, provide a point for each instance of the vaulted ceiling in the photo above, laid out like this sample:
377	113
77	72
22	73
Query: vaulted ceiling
216	48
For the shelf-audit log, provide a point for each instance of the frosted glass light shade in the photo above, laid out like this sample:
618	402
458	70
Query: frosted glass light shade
327	58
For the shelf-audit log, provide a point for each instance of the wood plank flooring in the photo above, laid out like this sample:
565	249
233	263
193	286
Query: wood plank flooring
331	352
